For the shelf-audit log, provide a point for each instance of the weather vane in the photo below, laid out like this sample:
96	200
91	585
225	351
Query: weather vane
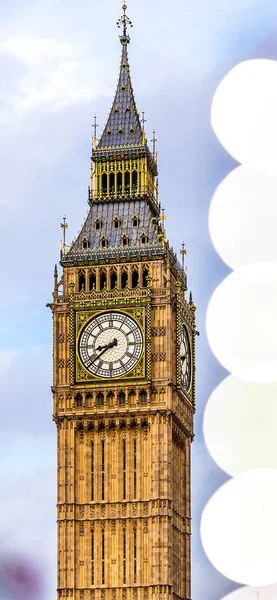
124	21
143	120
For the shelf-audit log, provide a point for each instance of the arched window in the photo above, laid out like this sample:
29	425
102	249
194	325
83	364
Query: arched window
82	282
135	278
111	183
116	223
143	397
119	182
124	279
104	183
85	243
135	181
135	221
100	399
97	224
103	242
125	240
145	274
113	280
122	398
127	181
103	280
92	281
143	238
78	399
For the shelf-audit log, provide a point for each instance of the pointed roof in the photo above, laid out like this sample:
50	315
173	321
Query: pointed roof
123	127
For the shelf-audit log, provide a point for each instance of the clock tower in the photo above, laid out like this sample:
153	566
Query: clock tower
124	380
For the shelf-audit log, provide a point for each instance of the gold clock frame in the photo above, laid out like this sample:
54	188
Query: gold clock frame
81	318
182	320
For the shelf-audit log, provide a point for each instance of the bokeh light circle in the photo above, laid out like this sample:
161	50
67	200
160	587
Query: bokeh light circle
243	218
239	528
243	114
240	424
241	322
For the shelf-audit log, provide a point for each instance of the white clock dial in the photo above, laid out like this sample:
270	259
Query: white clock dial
185	358
110	345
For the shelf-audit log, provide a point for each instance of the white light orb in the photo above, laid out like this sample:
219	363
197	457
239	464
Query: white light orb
243	218
240	424
250	593
239	528
241	322
243	114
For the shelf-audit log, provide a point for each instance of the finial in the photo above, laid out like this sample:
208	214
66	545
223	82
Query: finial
64	226
154	141
95	126
143	120
163	218
183	252
124	21
55	281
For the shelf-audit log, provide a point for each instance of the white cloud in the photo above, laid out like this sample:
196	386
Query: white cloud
55	75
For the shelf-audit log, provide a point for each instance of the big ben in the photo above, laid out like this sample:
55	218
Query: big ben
123	379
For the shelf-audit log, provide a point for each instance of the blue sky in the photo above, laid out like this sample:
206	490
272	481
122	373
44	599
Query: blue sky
59	63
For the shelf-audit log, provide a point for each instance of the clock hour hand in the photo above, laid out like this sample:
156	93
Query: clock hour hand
110	345
104	348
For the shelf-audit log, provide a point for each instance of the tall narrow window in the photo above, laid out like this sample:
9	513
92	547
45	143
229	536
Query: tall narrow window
135	556
135	278
125	240
135	221
103	558
92	281
127	181
124	556
124	469
119	182
113	280
100	399
135	468
82	282
116	223
103	280
145	274
103	469
92	471
122	398
103	242
135	181
104	183
124	280
92	559
143	397
111	183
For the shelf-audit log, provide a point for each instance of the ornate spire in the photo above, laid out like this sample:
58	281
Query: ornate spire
124	21
123	126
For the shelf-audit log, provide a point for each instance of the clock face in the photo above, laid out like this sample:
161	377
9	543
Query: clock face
110	345
185	358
